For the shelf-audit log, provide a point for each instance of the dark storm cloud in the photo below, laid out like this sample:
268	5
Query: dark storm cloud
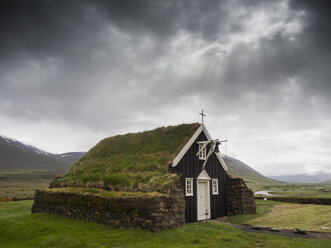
56	27
281	64
318	21
260	68
315	43
42	27
67	34
156	17
60	52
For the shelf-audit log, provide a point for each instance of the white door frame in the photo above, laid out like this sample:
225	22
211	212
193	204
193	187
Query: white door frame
206	198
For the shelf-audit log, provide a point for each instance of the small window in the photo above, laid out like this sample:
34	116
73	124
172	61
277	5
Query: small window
203	152
215	186
189	186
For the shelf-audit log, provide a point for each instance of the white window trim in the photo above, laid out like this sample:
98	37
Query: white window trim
203	152
188	180
214	181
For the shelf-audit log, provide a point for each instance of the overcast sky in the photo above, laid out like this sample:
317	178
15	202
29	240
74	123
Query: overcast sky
74	72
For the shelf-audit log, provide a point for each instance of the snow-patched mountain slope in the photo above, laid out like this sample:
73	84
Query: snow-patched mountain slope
17	155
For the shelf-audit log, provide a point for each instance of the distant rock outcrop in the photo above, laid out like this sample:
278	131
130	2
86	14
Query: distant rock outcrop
240	197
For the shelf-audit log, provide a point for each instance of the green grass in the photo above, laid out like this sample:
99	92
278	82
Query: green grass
14	209
262	208
21	189
23	183
131	161
18	228
287	215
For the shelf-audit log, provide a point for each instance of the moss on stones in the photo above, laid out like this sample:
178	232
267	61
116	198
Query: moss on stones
153	211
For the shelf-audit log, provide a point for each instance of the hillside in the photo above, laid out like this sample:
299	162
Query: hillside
68	157
251	176
17	155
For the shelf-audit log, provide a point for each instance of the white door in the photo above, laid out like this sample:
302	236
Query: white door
203	199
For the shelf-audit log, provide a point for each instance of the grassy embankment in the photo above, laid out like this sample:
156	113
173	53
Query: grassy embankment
18	228
288	216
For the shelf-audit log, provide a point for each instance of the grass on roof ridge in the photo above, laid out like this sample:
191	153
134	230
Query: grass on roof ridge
131	161
104	193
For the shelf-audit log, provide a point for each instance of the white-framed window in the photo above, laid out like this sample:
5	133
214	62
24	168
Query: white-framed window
188	186
203	152
214	183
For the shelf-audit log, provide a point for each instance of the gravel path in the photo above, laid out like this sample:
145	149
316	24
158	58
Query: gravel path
284	232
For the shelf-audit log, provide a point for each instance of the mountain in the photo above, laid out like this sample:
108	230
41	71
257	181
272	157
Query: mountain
250	176
68	157
304	178
17	155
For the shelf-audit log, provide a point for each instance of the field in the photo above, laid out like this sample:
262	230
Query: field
288	216
315	190
18	228
23	183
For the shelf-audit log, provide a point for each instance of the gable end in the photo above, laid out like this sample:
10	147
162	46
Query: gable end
187	146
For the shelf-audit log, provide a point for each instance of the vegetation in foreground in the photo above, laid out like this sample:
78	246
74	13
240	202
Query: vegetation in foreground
18	228
288	216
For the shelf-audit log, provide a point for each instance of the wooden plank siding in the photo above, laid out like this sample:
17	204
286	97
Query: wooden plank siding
190	166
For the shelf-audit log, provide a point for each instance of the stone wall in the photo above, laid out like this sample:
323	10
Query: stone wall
153	213
240	198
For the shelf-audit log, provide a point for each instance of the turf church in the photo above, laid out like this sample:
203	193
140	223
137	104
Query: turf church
153	180
203	176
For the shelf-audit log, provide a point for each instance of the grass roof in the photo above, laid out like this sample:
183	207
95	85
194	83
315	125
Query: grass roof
131	162
104	193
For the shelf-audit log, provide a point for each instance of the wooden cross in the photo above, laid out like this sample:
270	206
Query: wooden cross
202	115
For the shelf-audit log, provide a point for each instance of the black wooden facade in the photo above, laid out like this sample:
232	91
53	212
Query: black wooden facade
190	166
